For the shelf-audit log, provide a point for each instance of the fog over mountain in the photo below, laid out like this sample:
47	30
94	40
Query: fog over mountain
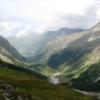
23	22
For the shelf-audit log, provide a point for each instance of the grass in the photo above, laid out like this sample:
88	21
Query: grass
40	89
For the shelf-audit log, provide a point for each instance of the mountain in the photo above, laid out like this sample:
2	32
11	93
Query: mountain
47	43
19	83
62	32
67	57
80	59
12	59
30	44
73	59
9	54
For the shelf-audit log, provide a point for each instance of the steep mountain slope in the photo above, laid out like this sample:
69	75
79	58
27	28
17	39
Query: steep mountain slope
80	57
8	53
49	43
90	79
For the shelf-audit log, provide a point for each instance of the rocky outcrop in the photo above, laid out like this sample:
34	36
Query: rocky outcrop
9	92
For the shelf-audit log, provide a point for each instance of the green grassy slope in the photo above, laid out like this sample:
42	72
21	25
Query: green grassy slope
37	88
90	78
78	56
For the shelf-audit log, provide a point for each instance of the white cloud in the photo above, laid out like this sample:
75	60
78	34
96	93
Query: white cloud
48	14
9	28
45	9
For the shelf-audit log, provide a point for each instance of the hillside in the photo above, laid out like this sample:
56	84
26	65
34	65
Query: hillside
80	58
9	54
74	58
48	43
20	83
15	85
67	59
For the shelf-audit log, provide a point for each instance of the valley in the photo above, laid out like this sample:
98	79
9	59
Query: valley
63	64
49	49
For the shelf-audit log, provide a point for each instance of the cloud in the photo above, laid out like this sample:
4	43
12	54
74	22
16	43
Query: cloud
39	8
9	28
86	20
45	15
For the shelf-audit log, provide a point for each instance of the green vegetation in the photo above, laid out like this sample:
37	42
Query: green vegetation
40	89
73	59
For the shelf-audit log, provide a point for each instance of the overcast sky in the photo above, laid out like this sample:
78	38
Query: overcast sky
19	16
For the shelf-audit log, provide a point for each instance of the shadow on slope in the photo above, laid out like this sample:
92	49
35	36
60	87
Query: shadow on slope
74	54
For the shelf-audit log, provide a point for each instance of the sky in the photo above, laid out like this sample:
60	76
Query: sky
21	17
